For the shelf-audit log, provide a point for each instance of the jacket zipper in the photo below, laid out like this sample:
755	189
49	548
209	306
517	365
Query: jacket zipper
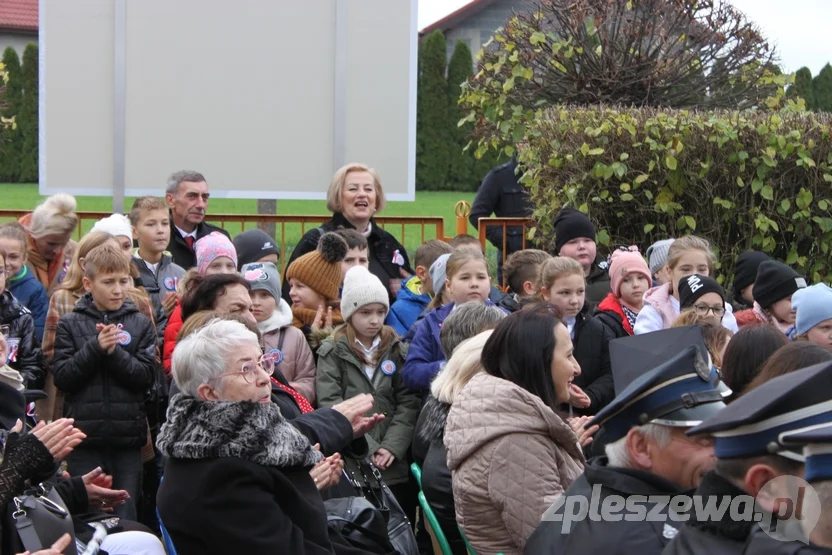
106	379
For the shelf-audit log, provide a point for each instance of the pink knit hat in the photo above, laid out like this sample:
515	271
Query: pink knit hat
625	262
213	246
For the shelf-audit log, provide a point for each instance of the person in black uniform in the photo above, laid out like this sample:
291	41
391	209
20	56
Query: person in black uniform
187	197
648	454
751	453
502	194
816	442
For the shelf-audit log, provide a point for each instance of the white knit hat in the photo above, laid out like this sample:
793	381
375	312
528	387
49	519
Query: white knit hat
115	225
360	289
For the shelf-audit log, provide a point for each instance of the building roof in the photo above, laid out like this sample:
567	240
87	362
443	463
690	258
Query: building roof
19	15
450	21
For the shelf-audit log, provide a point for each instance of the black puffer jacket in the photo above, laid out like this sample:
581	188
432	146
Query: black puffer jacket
24	349
598	281
383	247
592	351
105	394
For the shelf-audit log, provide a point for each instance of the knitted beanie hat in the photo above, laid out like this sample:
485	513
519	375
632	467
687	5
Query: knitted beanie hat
263	276
360	289
657	254
623	262
694	286
252	245
115	224
572	224
320	270
775	281
813	305
213	246
745	270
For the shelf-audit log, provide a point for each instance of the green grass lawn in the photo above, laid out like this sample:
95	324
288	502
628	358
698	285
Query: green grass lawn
18	196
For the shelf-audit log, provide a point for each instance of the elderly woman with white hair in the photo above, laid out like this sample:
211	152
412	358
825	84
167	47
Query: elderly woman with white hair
238	475
49	232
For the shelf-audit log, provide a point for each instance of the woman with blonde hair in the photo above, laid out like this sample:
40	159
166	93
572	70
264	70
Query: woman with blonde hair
354	197
63	302
49	230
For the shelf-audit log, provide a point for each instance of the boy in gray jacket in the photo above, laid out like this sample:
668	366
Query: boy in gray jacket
159	274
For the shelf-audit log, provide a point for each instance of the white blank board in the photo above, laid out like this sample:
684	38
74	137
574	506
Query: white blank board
265	98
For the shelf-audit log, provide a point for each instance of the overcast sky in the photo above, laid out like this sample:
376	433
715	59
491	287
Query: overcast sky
801	30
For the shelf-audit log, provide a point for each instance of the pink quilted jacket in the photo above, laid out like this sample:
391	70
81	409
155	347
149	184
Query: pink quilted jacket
510	456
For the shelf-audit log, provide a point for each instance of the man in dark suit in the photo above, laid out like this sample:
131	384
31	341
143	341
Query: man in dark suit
187	197
501	194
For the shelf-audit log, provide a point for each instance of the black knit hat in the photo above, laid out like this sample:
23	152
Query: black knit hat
692	287
571	224
252	245
745	270
775	281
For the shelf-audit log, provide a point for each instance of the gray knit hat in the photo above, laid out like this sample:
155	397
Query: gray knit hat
360	289
264	276
657	254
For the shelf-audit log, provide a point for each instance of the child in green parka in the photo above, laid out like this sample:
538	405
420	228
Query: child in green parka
365	356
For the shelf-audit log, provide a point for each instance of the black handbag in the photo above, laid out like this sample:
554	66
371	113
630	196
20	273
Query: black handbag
366	479
41	518
359	523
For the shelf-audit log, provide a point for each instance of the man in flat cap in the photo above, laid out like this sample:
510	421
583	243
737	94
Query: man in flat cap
648	453
754	462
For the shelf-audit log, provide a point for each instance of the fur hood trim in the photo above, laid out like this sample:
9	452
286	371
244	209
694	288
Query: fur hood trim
247	430
280	318
436	414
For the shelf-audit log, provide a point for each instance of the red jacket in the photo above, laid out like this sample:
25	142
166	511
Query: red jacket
171	331
611	313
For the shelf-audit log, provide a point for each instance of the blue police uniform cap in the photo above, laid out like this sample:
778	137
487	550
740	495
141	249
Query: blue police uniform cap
631	357
680	392
751	426
817	449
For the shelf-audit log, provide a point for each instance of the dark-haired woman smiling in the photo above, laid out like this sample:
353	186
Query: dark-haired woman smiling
509	450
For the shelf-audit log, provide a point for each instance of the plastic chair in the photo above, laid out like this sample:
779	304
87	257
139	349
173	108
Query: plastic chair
430	516
417	473
165	536
465	540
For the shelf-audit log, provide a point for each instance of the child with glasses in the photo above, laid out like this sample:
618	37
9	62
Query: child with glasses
703	297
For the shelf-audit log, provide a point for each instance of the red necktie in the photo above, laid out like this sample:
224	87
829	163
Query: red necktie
299	399
189	240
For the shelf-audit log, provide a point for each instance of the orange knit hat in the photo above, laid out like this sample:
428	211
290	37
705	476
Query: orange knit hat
320	270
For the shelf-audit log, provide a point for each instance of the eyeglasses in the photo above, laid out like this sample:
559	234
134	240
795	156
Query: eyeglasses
2	271
249	369
703	310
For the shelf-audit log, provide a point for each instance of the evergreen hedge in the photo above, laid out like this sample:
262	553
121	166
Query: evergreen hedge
433	133
11	143
27	116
